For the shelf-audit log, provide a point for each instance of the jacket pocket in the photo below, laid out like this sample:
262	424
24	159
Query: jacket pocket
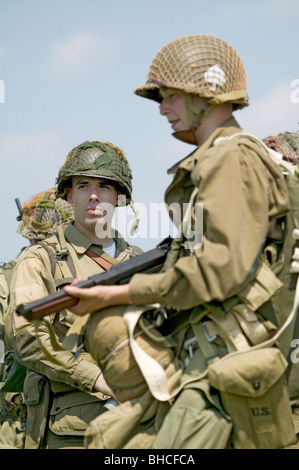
253	390
72	412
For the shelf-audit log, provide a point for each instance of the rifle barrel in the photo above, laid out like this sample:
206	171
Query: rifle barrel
149	262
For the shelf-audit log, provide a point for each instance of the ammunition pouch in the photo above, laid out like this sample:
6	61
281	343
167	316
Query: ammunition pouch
37	399
253	390
66	413
12	373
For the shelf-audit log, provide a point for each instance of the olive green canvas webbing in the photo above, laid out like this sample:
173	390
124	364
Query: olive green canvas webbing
62	263
154	374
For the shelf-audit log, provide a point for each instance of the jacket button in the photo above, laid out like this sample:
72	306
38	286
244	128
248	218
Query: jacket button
256	384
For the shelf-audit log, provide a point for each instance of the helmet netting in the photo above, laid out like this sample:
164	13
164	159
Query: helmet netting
98	159
87	157
199	64
287	144
43	214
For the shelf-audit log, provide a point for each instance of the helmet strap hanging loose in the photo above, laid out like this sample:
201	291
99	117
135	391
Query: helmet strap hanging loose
136	219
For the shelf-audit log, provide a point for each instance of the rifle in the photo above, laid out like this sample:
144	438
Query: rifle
17	201
149	262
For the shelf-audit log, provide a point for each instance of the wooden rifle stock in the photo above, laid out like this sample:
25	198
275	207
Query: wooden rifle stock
149	262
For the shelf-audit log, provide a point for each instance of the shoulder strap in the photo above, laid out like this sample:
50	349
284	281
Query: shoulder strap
62	266
51	254
63	272
184	234
101	260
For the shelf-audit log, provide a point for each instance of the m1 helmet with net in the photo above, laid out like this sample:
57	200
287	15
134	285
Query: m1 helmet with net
96	159
286	143
201	65
43	214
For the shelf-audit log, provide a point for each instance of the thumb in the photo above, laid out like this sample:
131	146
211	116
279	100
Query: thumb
76	291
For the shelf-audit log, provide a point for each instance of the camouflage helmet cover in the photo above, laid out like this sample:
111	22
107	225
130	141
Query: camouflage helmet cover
198	64
96	159
286	143
43	214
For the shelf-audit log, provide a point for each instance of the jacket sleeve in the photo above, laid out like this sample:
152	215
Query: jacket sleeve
239	196
32	280
4	294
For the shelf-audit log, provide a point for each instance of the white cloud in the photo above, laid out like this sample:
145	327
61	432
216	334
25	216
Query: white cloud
77	55
277	111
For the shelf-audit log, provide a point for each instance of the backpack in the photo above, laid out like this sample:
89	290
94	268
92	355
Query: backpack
283	258
6	273
12	373
287	265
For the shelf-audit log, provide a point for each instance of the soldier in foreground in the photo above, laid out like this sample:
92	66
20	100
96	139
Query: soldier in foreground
62	392
190	352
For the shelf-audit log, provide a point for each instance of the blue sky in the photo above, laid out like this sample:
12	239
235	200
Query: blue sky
68	69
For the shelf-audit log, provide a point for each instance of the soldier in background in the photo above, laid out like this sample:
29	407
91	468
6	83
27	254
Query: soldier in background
63	391
39	218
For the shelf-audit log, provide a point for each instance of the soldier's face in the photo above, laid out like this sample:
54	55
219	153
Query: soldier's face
94	201
173	106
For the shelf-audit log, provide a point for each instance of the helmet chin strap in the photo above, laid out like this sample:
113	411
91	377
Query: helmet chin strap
196	117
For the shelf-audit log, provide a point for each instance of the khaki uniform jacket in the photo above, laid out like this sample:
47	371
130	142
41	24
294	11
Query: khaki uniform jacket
4	295
242	192
33	280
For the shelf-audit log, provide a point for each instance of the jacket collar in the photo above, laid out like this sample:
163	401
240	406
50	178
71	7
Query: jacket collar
81	243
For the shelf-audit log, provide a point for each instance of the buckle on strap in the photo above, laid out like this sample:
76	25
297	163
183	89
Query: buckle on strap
189	345
209	331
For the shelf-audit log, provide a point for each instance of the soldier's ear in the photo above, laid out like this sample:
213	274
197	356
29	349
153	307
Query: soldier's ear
69	195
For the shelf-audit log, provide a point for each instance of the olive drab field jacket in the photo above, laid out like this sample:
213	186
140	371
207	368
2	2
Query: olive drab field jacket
33	279
242	194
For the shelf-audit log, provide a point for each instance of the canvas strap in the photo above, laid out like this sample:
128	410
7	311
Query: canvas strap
100	260
153	372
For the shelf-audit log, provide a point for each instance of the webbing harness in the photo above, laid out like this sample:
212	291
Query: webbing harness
227	327
64	272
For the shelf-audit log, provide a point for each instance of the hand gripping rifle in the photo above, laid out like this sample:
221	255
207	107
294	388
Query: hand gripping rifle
149	262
